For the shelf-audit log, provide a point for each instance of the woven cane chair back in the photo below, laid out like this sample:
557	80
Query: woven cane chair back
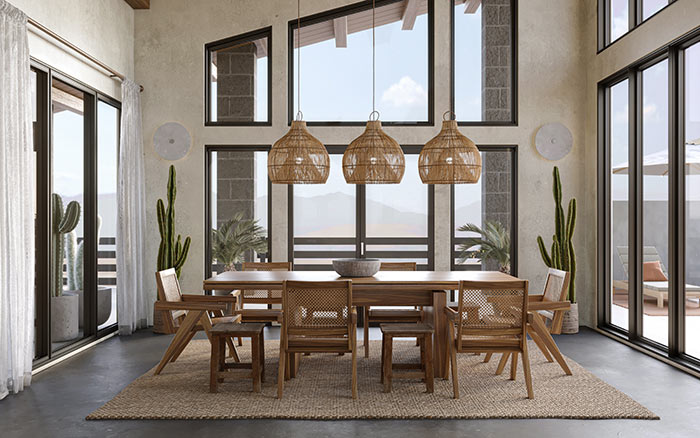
492	309
264	296
169	290
556	285
317	309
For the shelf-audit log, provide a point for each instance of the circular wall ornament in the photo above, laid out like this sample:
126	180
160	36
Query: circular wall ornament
172	141
554	141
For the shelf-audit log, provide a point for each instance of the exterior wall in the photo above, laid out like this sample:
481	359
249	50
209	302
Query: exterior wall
495	60
170	38
235	91
104	29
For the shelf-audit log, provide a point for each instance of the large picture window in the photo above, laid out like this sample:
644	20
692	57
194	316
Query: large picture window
237	207
336	67
238	71
483	60
649	136
487	210
392	222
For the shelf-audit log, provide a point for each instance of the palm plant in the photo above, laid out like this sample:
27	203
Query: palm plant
493	243
234	238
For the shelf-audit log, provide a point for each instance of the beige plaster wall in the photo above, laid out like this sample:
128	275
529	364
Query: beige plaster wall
102	28
169	43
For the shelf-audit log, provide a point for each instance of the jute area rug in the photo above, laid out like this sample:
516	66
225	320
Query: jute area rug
321	391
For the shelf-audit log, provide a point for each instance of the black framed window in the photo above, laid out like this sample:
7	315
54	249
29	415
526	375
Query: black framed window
76	137
392	222
649	284
618	17
237	190
484	60
336	67
238	72
487	210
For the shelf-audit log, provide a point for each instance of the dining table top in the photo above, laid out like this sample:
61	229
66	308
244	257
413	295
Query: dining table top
431	279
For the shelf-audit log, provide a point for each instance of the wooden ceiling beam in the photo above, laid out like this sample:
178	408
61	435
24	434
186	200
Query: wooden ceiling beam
340	31
409	15
471	6
139	4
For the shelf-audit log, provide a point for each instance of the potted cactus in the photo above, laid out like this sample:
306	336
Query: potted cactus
562	255
74	268
65	305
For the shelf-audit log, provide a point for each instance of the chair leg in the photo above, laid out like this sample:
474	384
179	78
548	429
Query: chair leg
488	357
502	363
543	348
354	363
240	341
233	350
182	346
526	371
381	375
429	375
513	365
214	365
453	360
387	363
281	372
366	330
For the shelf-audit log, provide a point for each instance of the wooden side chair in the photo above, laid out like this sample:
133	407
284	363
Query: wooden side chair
380	315
492	318
318	318
255	296
545	317
185	315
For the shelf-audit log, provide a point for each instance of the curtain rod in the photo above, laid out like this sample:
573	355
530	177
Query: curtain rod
113	73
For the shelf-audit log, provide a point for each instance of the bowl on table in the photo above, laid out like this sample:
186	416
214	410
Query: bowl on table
356	267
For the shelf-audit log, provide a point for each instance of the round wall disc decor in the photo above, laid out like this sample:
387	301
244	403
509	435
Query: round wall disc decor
554	141
172	141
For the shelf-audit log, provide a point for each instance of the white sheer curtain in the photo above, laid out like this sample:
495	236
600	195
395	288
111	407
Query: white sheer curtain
16	204
133	302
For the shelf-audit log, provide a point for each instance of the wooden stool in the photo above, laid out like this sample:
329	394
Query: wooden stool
220	333
424	334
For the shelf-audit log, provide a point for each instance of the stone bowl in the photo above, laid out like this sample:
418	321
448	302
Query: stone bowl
356	267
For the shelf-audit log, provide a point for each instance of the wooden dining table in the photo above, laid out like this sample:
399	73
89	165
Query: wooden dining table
386	288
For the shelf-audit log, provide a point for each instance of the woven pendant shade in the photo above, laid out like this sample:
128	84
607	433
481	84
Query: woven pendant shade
298	158
449	158
373	158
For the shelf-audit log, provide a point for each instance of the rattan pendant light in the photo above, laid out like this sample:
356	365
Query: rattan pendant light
449	157
298	157
373	157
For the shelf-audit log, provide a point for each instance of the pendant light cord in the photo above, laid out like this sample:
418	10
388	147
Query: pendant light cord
298	58
374	73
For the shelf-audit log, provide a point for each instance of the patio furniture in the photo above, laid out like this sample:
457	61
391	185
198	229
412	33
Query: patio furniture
318	318
390	371
550	305
186	314
390	315
222	333
492	318
387	288
654	289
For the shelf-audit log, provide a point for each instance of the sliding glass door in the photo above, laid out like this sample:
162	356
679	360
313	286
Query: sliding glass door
340	220
76	139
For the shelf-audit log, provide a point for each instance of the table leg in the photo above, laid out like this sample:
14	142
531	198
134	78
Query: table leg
435	315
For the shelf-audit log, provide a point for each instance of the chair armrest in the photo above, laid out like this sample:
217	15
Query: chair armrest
548	305
223	299
451	314
535	298
181	305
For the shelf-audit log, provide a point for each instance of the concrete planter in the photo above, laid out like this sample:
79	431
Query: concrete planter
64	317
104	304
570	322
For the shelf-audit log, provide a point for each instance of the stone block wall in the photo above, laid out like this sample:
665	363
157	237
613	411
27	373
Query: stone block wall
236	75
496	193
496	60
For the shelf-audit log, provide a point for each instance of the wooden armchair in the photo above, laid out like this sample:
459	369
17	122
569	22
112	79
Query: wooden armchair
492	318
549	306
318	317
390	315
185	315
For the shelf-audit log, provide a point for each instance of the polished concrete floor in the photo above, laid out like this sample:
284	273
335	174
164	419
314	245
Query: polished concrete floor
59	399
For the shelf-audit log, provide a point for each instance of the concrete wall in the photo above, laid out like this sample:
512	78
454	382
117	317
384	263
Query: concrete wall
104	29
551	88
672	22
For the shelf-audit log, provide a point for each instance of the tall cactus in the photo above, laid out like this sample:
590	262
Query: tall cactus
172	252
75	256
562	255
61	223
